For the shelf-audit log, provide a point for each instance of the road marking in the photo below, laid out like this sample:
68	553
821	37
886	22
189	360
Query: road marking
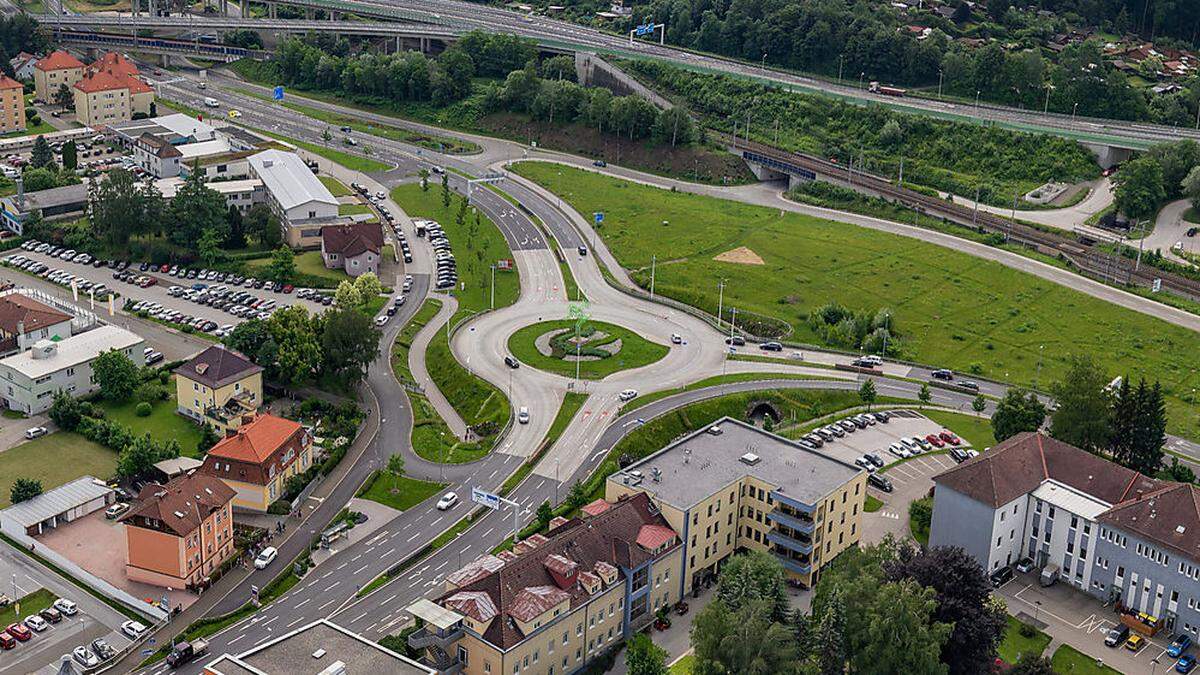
390	598
354	559
268	621
414	536
389	552
294	622
342	565
239	637
322	607
333	584
303	603
358	618
361	568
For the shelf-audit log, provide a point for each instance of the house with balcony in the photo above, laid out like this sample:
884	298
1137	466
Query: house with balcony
555	601
258	458
220	387
732	487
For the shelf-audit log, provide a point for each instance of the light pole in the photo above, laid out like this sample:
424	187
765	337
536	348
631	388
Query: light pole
940	84
860	78
720	299
1074	109
842	62
977	93
1038	375
653	264
493	286
1046	107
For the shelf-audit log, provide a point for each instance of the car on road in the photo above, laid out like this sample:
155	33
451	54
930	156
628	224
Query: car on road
134	629
880	482
234	114
1179	646
1185	664
771	347
1117	635
36	623
735	341
627	394
1135	642
600	163
265	557
50	614
447	501
36	432
20	631
116	510
676	339
511	362
523	415
84	657
67	607
381	320
942	374
1191	231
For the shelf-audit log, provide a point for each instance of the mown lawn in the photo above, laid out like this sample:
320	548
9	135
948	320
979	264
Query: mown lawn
309	262
408	491
1014	644
162	424
1070	661
31	604
950	309
336	187
975	430
635	351
55	459
352	162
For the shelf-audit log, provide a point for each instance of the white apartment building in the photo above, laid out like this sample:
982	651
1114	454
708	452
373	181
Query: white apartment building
29	380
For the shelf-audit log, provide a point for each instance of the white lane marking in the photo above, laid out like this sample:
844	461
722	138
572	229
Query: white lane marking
237	638
359	570
303	603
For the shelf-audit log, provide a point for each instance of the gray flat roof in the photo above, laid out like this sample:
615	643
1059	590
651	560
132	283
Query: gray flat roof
293	653
57	501
696	466
59	196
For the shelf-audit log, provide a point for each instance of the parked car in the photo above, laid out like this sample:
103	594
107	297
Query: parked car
1025	565
67	607
50	614
265	557
933	440
865	464
84	657
103	649
949	437
1135	642
116	510
958	455
36	432
1001	577
7	641
36	623
20	631
447	501
1179	646
880	482
134	629
1117	635
1185	664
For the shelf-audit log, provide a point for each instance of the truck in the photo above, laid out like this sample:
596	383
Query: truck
1049	575
184	652
877	88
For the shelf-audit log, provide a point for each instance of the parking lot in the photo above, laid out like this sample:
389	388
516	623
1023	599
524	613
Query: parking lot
20	575
196	301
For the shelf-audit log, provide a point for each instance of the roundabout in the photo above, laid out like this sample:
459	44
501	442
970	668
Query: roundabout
598	349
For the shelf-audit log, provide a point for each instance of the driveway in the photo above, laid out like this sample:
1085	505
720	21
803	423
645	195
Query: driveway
12	429
1169	229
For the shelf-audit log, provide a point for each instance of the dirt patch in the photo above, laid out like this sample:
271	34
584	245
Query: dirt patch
696	163
740	256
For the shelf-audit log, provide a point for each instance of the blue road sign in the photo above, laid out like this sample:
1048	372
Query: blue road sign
645	29
277	94
599	217
147	652
485	498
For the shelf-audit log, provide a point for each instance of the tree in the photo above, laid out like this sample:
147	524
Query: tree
867	393
70	156
924	396
395	466
63	97
41	155
445	189
248	337
283	265
1032	664
1178	472
1176	159
66	411
643	657
902	635
830	639
745	641
24	489
347	295
140	455
297	348
545	513
349	343
559	68
1082	418
424	175
368	286
1018	411
979	404
753	578
237	228
578	496
1150	429
195	210
116	375
963	601
1139	188
120	206
263	225
208	438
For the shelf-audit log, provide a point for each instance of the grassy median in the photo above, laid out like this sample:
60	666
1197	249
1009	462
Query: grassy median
627	348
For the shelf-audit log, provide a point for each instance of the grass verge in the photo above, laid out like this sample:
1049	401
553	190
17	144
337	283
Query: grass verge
1014	645
1070	661
975	430
872	505
571	404
398	492
634	350
31	604
711	382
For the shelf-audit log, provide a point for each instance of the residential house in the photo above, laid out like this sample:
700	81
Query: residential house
258	458
23	65
30	379
179	533
218	386
158	157
50	73
24	321
353	248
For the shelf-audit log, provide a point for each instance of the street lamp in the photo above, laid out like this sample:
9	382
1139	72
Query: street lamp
1074	109
977	93
940	73
860	78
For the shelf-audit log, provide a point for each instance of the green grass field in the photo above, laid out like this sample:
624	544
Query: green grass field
353	209
710	382
635	350
408	491
162	424
55	459
1014	644
352	162
1070	661
683	666
336	187
31	604
950	309
872	504
308	262
975	430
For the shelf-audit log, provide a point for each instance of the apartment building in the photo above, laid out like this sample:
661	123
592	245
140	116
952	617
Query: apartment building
301	202
733	486
12	105
556	601
177	534
258	458
50	73
24	321
158	157
1111	532
30	379
110	92
218	386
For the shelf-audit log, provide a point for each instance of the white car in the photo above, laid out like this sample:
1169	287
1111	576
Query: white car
627	395
447	501
84	657
66	607
36	623
381	320
523	415
36	432
676	339
265	557
133	629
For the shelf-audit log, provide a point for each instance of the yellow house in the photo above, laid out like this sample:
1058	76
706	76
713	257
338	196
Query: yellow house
258	458
218	386
52	72
732	486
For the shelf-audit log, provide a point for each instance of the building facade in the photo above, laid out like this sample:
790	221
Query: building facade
30	379
179	533
101	100
556	601
218	386
55	70
800	505
301	202
24	321
257	459
12	105
158	157
352	248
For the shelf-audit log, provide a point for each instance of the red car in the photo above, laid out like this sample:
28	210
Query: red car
949	438
935	441
20	632
288	288
164	268
7	641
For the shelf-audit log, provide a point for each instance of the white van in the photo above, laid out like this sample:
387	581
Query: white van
211	102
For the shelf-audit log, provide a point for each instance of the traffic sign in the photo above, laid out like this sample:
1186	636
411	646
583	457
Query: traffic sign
277	94
599	217
485	498
147	652
1156	286
645	29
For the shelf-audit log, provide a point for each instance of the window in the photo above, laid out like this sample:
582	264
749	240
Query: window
462	655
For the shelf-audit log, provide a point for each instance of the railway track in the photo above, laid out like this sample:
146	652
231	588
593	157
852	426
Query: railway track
1080	252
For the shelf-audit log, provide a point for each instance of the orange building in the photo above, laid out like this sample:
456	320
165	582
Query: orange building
179	533
110	92
53	71
257	458
12	105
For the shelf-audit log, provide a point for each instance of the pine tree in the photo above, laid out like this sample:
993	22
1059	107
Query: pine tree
1123	423
830	637
1150	430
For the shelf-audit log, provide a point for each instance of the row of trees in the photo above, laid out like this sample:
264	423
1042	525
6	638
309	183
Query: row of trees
297	348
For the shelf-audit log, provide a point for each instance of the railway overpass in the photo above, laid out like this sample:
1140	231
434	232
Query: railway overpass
160	46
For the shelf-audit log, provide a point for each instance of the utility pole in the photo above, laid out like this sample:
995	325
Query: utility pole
1141	240
940	84
975	213
493	286
653	262
720	299
900	181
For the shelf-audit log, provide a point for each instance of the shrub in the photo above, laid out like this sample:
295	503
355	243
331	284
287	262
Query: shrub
1027	631
143	409
280	507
